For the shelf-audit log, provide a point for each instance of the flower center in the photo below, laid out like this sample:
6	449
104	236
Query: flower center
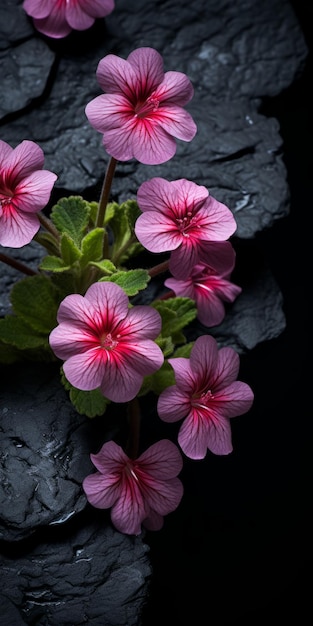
150	105
202	400
5	200
187	223
108	342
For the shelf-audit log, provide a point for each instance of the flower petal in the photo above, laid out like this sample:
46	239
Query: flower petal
110	458
162	460
235	399
33	192
86	370
176	122
175	88
204	359
17	229
108	112
173	405
163	496
156	232
148	64
23	160
101	490
129	510
142	321
192	436
115	75
219	435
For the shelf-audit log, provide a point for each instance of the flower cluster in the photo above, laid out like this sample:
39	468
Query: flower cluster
111	348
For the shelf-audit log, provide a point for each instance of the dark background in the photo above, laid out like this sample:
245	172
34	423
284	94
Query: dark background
238	550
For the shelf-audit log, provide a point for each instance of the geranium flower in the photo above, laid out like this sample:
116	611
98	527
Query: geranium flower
206	396
25	189
209	290
57	18
106	344
141	111
180	216
140	491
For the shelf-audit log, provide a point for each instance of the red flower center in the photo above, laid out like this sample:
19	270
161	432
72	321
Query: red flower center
150	105
108	342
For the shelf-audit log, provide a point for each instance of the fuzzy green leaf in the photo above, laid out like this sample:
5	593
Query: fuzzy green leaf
48	241
89	403
106	267
176	314
71	216
53	264
34	299
92	246
158	381
15	332
131	281
69	251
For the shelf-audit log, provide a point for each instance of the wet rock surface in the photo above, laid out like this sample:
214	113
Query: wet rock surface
63	564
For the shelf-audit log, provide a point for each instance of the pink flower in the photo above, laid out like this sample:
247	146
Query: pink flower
180	216
139	491
106	344
209	290
57	18
25	189
141	111
206	396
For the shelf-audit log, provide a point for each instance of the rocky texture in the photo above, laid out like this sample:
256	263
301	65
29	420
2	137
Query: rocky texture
236	54
94	576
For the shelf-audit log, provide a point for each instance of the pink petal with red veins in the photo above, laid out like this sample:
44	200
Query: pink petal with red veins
235	399
218	220
184	376
16	228
204	360
101	491
156	232
176	121
142	322
66	340
175	88
110	459
217	254
144	356
23	160
156	194
211	310
122	380
5	153
162	496
151	144
162	460
37	8
148	65
129	510
33	192
109	301
79	313
173	405
183	288
110	111
55	24
97	8
219	435
77	18
87	369
183	259
227	368
192	436
115	75
118	142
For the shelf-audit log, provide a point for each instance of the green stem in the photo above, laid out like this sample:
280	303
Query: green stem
159	269
48	225
17	265
105	192
134	428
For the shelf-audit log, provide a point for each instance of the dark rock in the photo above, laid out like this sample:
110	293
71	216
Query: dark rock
234	55
15	25
94	576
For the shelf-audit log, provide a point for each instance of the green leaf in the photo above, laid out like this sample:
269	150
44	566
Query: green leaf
15	332
132	281
166	345
184	351
35	300
92	246
105	266
93	211
176	314
53	264
71	216
89	403
69	251
121	219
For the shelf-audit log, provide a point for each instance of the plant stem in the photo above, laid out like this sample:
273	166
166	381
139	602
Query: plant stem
122	250
17	265
134	428
158	269
48	225
105	192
